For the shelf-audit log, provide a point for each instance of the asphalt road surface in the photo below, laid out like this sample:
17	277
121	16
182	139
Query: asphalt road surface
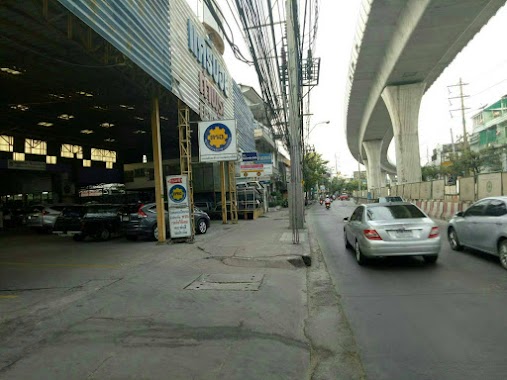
414	321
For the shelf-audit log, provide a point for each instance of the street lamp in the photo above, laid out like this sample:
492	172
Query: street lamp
310	131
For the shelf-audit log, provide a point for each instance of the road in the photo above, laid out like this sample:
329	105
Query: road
417	321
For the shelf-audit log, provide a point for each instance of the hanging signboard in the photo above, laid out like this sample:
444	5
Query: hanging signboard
217	141
177	190
249	156
179	222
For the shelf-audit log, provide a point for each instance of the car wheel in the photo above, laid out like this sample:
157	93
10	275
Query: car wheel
131	237
155	232
347	244
202	227
453	240
502	253
430	259
104	234
360	258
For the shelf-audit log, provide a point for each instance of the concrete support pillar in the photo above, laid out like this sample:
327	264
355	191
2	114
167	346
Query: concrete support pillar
392	179
383	178
372	148
403	104
157	166
365	163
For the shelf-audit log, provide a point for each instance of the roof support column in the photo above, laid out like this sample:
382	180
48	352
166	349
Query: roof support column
403	104
157	166
372	148
392	179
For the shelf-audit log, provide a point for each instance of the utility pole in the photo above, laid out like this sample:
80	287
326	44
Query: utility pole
296	205
462	108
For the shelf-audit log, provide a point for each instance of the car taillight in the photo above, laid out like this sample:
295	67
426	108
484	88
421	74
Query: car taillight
141	213
371	235
434	232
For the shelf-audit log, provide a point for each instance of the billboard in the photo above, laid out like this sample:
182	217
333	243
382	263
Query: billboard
217	141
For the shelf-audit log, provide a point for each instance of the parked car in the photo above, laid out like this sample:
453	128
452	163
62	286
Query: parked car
43	217
389	199
343	197
482	227
391	229
143	222
69	222
98	221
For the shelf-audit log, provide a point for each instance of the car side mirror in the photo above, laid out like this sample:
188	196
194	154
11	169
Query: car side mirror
346	219
460	214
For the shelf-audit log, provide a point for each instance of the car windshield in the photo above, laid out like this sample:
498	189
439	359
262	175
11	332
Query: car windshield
393	212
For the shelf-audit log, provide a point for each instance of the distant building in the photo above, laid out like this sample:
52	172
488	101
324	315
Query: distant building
442	154
360	175
490	126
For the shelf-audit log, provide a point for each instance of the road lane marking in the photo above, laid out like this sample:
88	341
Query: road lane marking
8	297
38	265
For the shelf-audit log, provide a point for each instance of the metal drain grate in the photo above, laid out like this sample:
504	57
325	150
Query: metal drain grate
244	282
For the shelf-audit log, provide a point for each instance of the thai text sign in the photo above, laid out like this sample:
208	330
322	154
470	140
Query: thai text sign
217	141
179	222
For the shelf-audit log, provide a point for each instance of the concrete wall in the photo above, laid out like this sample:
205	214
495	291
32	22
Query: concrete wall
467	189
437	189
425	191
489	185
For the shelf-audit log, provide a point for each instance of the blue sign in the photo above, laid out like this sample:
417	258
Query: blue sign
178	193
217	137
249	156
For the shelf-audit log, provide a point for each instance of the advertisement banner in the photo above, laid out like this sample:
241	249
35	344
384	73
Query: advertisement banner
217	141
177	190
179	222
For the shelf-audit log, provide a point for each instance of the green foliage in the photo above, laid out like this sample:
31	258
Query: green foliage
431	172
314	171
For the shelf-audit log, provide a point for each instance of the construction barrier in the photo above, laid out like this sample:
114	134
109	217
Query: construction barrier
449	210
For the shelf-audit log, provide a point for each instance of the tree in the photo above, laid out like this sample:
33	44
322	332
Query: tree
431	172
314	171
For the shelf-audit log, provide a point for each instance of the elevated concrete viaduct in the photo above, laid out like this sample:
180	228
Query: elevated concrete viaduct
402	47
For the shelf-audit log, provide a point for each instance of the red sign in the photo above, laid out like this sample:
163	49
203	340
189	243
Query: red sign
176	180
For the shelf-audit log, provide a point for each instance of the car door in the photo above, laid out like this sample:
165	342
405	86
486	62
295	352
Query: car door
355	224
492	225
348	226
467	227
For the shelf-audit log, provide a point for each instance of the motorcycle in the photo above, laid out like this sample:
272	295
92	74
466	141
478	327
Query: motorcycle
321	201
328	205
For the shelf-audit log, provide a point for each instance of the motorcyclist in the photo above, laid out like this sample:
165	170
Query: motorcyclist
327	201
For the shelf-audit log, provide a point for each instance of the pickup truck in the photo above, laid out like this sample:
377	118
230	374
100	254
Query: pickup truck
98	221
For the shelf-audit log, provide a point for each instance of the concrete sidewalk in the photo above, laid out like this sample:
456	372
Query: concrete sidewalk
232	305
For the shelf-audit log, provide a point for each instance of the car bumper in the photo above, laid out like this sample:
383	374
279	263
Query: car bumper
137	230
67	233
406	248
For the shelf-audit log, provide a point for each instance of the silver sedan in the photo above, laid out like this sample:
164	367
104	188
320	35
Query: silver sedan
391	229
483	226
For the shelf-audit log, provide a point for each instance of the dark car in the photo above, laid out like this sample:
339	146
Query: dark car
98	221
143	222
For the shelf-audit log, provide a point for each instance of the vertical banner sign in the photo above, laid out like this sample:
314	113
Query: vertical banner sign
179	210
217	141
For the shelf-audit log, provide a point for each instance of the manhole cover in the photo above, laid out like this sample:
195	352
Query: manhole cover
243	282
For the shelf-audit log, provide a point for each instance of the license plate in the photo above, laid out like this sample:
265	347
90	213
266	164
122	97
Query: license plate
402	234
125	218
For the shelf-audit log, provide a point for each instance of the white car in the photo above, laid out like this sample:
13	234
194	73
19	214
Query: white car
43	217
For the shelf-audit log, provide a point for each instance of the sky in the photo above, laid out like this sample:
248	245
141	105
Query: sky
481	64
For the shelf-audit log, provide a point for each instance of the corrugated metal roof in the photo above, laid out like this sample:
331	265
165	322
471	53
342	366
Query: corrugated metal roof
139	29
153	34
